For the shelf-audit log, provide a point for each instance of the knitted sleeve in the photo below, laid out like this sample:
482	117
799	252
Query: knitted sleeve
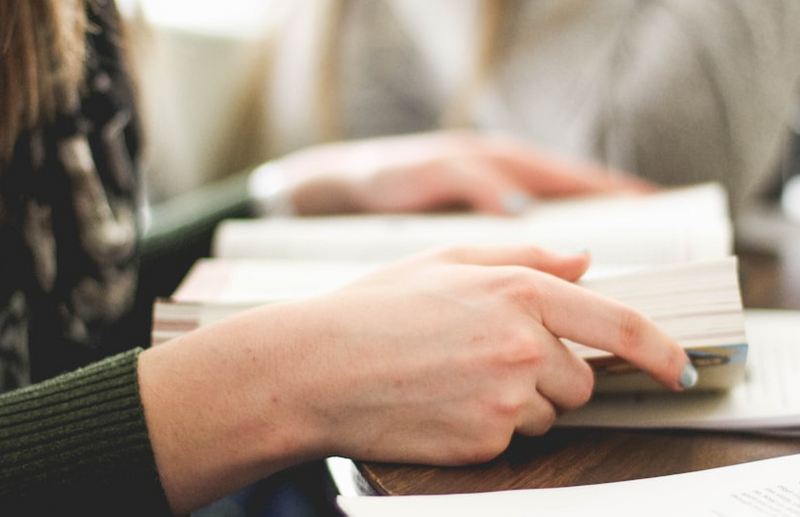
78	444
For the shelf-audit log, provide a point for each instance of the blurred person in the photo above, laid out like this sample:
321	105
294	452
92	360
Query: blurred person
674	91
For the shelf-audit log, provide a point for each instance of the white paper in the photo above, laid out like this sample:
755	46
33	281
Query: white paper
769	397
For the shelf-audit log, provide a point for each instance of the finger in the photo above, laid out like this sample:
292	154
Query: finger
485	187
569	267
475	184
438	184
546	174
538	418
593	320
567	380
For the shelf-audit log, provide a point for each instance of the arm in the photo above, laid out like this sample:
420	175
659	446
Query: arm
438	359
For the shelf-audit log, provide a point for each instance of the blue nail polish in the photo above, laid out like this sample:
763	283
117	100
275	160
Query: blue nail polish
688	376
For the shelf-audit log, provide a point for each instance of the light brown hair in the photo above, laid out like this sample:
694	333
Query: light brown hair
42	55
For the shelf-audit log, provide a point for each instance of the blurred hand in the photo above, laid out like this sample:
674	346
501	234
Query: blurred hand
440	171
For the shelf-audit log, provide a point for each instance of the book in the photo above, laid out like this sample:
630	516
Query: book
675	225
761	488
766	402
697	303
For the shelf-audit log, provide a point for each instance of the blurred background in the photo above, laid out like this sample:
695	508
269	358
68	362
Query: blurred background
195	58
191	57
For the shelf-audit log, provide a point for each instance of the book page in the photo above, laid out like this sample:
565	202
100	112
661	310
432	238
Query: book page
254	281
762	488
697	303
677	225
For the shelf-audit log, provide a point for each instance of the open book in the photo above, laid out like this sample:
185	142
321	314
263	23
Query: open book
697	303
767	402
689	223
762	488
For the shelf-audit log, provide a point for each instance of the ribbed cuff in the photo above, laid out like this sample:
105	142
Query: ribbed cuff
79	442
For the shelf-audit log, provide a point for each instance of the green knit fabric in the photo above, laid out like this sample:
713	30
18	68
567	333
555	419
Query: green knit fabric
78	445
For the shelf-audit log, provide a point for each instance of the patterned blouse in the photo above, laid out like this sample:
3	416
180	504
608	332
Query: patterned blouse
69	228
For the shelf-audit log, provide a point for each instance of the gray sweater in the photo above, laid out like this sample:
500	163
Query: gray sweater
678	91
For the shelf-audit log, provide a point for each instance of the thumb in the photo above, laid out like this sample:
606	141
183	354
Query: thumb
568	266
483	189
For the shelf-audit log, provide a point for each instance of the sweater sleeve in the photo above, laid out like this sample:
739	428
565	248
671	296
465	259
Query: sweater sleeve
704	91
78	444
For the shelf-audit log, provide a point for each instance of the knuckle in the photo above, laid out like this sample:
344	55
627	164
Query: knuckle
520	285
509	408
450	252
543	421
548	419
631	330
519	350
583	386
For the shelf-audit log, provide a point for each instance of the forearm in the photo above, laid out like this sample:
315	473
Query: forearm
219	406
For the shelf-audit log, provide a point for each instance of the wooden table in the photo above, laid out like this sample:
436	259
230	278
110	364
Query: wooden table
568	457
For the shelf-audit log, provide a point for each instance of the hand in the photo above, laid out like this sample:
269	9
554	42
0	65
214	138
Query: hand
440	171
441	358
437	359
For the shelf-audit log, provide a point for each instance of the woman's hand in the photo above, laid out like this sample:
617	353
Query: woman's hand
437	359
440	171
441	358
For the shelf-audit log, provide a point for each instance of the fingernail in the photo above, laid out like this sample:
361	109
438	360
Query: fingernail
688	376
578	251
516	202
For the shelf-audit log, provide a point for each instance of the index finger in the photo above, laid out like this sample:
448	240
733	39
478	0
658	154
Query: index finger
575	313
547	174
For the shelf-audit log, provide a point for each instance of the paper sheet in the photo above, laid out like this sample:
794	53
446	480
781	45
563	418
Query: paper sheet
763	488
769	397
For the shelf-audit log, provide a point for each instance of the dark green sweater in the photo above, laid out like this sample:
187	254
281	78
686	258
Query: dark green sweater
78	443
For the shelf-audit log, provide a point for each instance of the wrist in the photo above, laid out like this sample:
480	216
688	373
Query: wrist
270	188
219	410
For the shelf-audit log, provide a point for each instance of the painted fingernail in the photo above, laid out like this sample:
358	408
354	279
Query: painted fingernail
688	376
516	202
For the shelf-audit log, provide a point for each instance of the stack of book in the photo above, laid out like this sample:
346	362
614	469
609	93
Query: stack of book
697	303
